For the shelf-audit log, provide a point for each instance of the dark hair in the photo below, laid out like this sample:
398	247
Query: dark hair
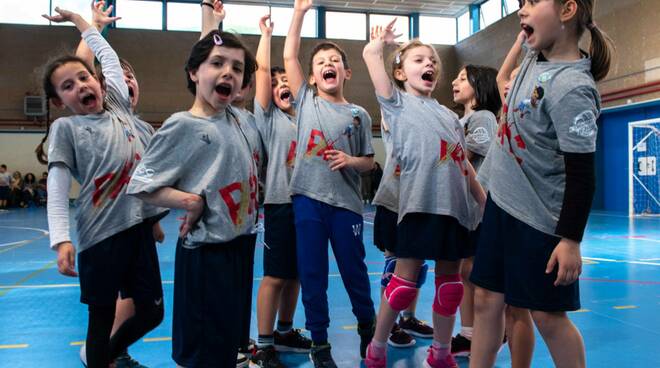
276	70
202	49
3	166
483	79
601	47
32	180
49	90
327	45
44	173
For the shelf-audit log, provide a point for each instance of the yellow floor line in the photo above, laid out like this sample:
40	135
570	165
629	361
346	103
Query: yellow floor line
28	277
77	343
625	307
14	346
157	339
581	311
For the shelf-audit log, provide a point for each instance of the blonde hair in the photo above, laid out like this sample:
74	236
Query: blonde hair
400	54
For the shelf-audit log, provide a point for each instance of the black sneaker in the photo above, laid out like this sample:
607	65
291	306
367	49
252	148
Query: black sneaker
321	357
267	358
247	350
366	334
415	327
292	342
242	360
399	338
460	346
126	361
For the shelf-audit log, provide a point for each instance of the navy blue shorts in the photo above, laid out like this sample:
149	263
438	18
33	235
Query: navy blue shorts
511	259
385	234
212	301
431	237
4	193
125	263
280	242
473	239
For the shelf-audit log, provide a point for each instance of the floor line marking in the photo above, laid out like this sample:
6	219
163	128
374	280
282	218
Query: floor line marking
77	343
581	311
626	323
157	339
620	307
621	261
14	346
28	277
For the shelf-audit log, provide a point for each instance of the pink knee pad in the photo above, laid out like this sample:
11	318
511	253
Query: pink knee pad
448	294
400	293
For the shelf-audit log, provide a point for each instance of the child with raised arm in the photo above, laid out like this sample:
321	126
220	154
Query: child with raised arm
540	179
435	185
100	146
334	147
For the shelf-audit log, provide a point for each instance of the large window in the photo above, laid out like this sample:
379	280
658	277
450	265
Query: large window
511	6
350	26
491	12
140	14
183	17
402	25
244	19
81	7
282	18
24	12
437	30
464	26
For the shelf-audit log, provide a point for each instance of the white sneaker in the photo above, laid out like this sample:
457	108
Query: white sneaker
83	355
242	360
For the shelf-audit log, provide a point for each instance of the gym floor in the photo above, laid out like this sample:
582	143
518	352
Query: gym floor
43	324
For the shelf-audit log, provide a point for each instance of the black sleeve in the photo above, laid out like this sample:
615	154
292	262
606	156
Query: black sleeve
578	195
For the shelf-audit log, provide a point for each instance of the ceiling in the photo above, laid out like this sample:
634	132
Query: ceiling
428	7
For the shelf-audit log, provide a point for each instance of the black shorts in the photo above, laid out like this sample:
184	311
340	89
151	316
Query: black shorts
385	234
212	300
125	263
4	193
431	237
280	241
473	240
512	258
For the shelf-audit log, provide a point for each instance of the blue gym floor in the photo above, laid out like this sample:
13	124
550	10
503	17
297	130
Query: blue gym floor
42	322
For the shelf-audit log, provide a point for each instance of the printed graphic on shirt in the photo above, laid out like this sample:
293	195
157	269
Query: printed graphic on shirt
110	185
241	199
584	124
480	135
291	155
454	152
504	133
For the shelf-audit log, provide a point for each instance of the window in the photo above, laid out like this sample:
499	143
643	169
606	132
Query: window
244	19
511	6
81	7
437	30
184	17
24	12
402	25
140	14
350	26
282	18
464	26
491	12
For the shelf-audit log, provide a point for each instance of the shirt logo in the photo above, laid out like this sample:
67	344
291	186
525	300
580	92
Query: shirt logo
357	229
584	125
143	174
205	138
480	135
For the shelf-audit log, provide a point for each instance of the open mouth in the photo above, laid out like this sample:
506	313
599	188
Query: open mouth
131	93
428	76
89	100
527	29
329	74
223	89
285	95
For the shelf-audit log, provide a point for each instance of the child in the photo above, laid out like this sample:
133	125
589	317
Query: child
335	146
275	115
201	161
5	182
386	201
125	308
540	177
475	89
98	146
436	181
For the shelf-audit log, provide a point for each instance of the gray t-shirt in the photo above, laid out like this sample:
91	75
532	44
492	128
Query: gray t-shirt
5	179
101	151
429	145
211	157
145	132
388	190
480	127
324	125
552	108
278	131
248	122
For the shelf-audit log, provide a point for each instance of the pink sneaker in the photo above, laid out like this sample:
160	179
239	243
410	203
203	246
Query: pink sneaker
447	362
373	360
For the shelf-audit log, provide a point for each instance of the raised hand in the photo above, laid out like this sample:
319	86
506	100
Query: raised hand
62	16
219	12
266	25
387	34
100	17
302	5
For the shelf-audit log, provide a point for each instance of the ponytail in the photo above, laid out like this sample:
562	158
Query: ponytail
42	156
601	52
